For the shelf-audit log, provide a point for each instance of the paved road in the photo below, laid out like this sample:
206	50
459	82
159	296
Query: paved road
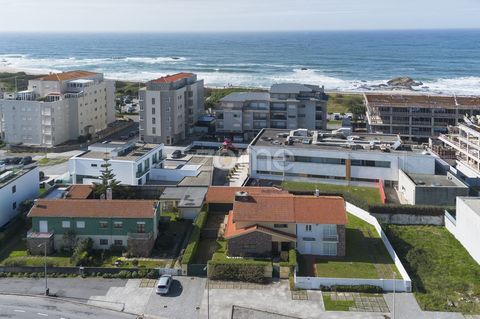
24	307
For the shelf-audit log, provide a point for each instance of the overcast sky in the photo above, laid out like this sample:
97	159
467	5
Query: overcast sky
234	15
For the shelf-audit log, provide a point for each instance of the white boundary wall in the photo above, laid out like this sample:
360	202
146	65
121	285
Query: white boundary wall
388	284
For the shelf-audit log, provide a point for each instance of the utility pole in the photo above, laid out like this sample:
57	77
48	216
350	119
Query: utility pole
46	277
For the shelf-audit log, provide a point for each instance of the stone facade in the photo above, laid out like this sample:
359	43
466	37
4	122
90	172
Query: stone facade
140	246
341	246
36	239
255	244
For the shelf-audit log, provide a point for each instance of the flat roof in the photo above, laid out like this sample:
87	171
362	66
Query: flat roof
327	140
246	96
472	202
434	180
125	151
15	173
294	88
421	100
187	196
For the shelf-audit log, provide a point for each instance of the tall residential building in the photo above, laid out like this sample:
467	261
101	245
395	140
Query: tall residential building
57	108
416	116
465	140
285	106
170	107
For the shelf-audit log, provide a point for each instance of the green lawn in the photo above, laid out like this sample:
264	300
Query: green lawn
343	103
364	246
444	276
220	255
15	253
51	161
337	305
369	195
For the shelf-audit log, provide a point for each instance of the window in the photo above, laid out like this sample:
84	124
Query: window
140	227
117	224
93	165
308	239
330	249
103	242
14	205
80	224
280	225
154	130
103	224
308	227
153	110
153	120
14	189
153	101
118	242
65	224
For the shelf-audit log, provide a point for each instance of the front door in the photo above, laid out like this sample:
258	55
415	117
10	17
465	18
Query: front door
43	226
274	247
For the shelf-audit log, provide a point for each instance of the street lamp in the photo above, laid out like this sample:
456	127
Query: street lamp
46	280
208	293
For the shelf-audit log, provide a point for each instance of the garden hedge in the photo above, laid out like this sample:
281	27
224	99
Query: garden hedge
192	245
356	288
409	210
246	270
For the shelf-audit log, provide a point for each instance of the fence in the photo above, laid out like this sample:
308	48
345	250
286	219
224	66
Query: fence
401	285
450	223
383	197
199	270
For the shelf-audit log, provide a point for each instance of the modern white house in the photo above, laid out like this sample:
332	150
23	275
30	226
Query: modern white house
465	225
336	157
16	186
131	162
57	108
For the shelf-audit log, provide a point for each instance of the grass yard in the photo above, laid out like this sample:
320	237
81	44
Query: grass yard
220	255
342	103
15	253
366	256
51	161
369	195
337	305
444	276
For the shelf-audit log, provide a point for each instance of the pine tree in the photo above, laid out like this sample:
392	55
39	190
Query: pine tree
108	180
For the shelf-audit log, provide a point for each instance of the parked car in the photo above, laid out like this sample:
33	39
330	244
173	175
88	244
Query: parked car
26	160
177	154
163	284
132	133
15	160
124	137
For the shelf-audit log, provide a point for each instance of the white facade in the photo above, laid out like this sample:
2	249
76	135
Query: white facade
20	186
317	239
86	168
466	225
335	166
52	112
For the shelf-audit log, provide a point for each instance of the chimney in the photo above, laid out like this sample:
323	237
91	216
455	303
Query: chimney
109	194
317	192
242	197
35	202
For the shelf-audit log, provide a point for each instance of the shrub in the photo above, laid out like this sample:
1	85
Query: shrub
82	251
135	262
192	246
123	274
409	210
152	274
292	259
237	271
353	288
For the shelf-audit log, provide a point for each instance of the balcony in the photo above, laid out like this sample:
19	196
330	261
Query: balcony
331	238
279	117
143	172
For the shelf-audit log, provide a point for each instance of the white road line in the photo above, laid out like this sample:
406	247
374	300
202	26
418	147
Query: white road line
17	310
42	314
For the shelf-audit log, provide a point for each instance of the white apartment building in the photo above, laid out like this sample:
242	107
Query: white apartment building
334	157
285	106
465	140
16	186
465	224
57	108
170	107
131	162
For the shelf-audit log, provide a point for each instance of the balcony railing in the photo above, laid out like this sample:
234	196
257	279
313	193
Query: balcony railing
330	238
145	171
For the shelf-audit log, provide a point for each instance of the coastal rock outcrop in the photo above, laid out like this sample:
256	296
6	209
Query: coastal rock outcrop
404	82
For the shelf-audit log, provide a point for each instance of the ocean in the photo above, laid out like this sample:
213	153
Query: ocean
445	61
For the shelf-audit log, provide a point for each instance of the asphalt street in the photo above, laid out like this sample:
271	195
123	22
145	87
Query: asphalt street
24	307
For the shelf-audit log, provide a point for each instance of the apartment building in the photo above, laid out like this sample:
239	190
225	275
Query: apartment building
170	107
285	106
334	157
417	117
131	162
57	108
465	140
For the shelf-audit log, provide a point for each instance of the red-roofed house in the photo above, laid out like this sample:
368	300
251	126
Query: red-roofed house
269	221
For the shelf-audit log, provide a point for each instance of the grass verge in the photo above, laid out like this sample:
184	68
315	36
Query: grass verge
337	305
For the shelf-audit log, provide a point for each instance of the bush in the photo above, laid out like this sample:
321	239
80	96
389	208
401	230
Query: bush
409	210
237	271
292	259
82	251
192	246
351	288
135	262
153	274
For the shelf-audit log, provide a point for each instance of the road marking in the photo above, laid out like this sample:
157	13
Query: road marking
42	314
17	310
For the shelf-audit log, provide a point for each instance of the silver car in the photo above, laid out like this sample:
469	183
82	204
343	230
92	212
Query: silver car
163	284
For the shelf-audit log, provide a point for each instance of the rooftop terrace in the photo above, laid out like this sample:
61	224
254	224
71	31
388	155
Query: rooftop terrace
126	151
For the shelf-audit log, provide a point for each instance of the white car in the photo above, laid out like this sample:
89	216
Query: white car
163	284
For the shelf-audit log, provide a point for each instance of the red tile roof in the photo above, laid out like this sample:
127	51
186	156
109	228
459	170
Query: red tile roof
232	231
93	208
66	76
173	78
79	191
226	195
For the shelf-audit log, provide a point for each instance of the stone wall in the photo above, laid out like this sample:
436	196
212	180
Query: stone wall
255	244
341	246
